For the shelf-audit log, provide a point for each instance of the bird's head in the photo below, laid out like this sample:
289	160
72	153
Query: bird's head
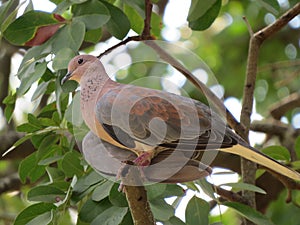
78	66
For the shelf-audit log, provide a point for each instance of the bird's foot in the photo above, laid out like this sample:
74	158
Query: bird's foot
141	161
144	159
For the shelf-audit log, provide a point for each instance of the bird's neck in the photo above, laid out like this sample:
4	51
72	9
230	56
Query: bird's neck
92	85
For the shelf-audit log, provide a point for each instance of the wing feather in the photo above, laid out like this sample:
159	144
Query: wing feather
156	118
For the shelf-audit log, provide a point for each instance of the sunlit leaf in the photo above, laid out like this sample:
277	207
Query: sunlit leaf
277	152
116	197
91	209
112	215
24	28
197	211
161	210
30	168
71	164
93	14
70	36
102	191
118	24
244	186
249	213
44	210
203	13
62	58
45	194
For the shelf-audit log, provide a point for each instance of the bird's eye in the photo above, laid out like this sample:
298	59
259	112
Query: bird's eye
80	61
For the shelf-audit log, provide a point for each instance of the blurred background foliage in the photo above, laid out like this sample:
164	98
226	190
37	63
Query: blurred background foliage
46	177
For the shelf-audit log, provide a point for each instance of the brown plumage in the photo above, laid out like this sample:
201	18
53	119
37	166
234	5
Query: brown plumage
149	122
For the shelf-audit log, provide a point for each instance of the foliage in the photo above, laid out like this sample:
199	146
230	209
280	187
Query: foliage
59	178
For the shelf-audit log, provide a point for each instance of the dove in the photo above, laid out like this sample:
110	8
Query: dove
150	123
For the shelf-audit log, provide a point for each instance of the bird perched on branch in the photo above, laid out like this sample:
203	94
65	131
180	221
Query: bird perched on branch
150	122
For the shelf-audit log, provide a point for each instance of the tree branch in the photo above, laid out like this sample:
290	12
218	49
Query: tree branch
273	28
284	105
10	183
136	196
248	168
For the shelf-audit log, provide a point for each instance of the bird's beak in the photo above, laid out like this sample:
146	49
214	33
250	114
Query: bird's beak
65	78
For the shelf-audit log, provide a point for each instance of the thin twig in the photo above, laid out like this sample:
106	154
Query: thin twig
250	30
273	28
284	105
230	196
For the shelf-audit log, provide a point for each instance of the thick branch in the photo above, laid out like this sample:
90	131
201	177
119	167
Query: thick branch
278	129
137	198
248	168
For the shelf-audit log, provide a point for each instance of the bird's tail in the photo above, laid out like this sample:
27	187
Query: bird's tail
260	158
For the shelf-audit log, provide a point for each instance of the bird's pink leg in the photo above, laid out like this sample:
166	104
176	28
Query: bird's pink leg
144	159
141	161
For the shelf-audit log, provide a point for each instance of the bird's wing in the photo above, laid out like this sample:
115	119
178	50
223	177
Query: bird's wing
156	118
132	115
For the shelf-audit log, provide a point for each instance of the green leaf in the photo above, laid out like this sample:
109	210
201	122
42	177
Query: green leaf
45	194
202	13
277	152
113	215
23	29
91	209
27	79
63	58
138	5
207	188
297	147
40	90
71	164
46	122
93	14
197	211
93	36
71	114
244	186
47	143
161	210
3	11
249	213
118	25
156	24
127	219
271	5
33	120
116	197
9	101
70	36
174	221
29	168
102	191
30	213
155	190
55	174
28	128
78	1
136	21
50	160
173	190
